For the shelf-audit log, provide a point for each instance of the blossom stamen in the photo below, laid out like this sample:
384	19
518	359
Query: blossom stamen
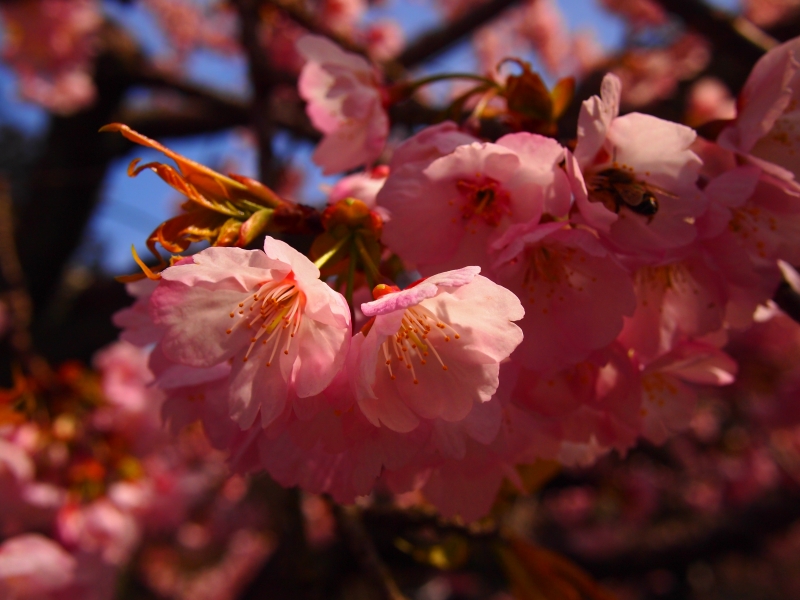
485	200
277	309
412	340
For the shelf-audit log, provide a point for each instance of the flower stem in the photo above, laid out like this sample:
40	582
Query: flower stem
325	258
414	85
370	270
351	276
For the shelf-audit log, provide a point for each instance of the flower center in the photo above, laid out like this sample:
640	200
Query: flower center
485	200
753	225
274	313
412	341
551	271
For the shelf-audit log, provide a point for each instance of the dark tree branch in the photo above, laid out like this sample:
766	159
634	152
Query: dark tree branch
351	528
16	295
263	81
430	44
149	76
787	28
298	13
746	530
64	185
726	34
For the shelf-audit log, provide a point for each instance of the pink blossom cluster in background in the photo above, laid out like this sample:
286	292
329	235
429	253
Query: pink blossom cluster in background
92	480
741	451
572	300
51	44
189	26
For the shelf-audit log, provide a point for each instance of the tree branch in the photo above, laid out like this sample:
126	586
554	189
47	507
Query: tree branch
726	34
298	13
351	527
434	42
263	81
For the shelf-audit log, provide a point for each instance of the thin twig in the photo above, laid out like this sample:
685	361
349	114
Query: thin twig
351	527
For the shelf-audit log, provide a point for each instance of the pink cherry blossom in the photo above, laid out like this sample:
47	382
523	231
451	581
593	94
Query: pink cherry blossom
466	488
341	15
429	144
668	399
137	326
640	13
126	378
100	528
620	163
284	329
769	111
32	566
581	411
338	453
574	291
384	40
361	186
543	25
344	102
678	300
190	25
650	74
709	100
752	222
446	214
433	350
51	50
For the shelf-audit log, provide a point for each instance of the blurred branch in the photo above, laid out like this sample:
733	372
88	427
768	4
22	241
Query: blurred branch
157	78
787	28
733	36
263	81
19	301
434	42
298	13
745	530
64	184
351	527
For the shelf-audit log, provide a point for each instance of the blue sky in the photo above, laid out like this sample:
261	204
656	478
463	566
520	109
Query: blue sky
132	208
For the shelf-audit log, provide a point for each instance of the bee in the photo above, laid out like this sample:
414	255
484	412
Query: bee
616	187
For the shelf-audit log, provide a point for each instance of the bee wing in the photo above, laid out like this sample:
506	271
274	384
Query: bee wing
661	191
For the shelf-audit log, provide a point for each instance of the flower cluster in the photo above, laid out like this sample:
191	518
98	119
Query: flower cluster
90	478
572	300
258	348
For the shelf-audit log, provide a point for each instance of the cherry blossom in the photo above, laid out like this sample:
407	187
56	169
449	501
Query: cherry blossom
650	187
285	330
767	120
574	292
344	102
668	401
433	350
51	49
447	213
582	411
32	566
